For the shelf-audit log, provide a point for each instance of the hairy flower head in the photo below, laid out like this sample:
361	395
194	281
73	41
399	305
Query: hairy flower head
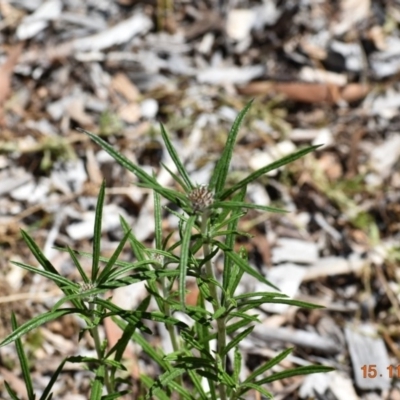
201	198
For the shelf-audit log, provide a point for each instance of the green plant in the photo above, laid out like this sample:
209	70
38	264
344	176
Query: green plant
208	224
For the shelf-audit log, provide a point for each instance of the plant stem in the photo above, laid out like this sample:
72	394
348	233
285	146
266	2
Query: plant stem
170	328
167	311
97	344
221	325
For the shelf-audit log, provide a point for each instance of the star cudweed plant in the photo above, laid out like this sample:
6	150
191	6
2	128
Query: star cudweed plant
197	368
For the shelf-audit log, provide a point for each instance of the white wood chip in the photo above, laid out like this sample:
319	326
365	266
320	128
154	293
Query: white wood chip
69	176
351	52
10	181
387	104
315	383
297	337
384	157
239	23
330	266
32	192
84	229
118	34
352	11
300	135
233	75
149	108
309	74
368	352
386	63
336	381
294	250
261	158
342	386
288	279
36	22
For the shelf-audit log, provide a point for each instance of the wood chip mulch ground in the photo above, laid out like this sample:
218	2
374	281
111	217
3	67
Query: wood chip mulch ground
319	72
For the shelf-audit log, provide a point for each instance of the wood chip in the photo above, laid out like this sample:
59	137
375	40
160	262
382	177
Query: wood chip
371	364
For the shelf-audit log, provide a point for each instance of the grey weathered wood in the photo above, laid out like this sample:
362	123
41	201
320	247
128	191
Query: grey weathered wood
368	349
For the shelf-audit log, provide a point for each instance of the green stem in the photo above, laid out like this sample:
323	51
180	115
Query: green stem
167	311
221	323
171	328
97	344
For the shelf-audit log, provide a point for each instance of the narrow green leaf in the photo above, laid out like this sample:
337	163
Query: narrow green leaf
220	312
238	204
157	220
96	361
46	264
175	386
259	294
164	379
75	260
208	374
111	262
305	370
148	348
98	383
220	172
242	264
237	340
176	178
233	328
178	215
246	317
97	231
175	158
226	378
268	365
174	356
144	305
250	304
10	391
120	347
130	316
237	364
258	388
138	248
168	257
189	338
116	395
37	321
228	232
121	159
221	222
183	263
160	317
166	240
270	167
145	180
230	269
46	395
38	254
237	272
194	363
140	276
197	384
63	283
23	361
172	195
148	382
84	295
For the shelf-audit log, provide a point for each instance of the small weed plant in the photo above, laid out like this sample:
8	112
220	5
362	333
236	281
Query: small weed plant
197	368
